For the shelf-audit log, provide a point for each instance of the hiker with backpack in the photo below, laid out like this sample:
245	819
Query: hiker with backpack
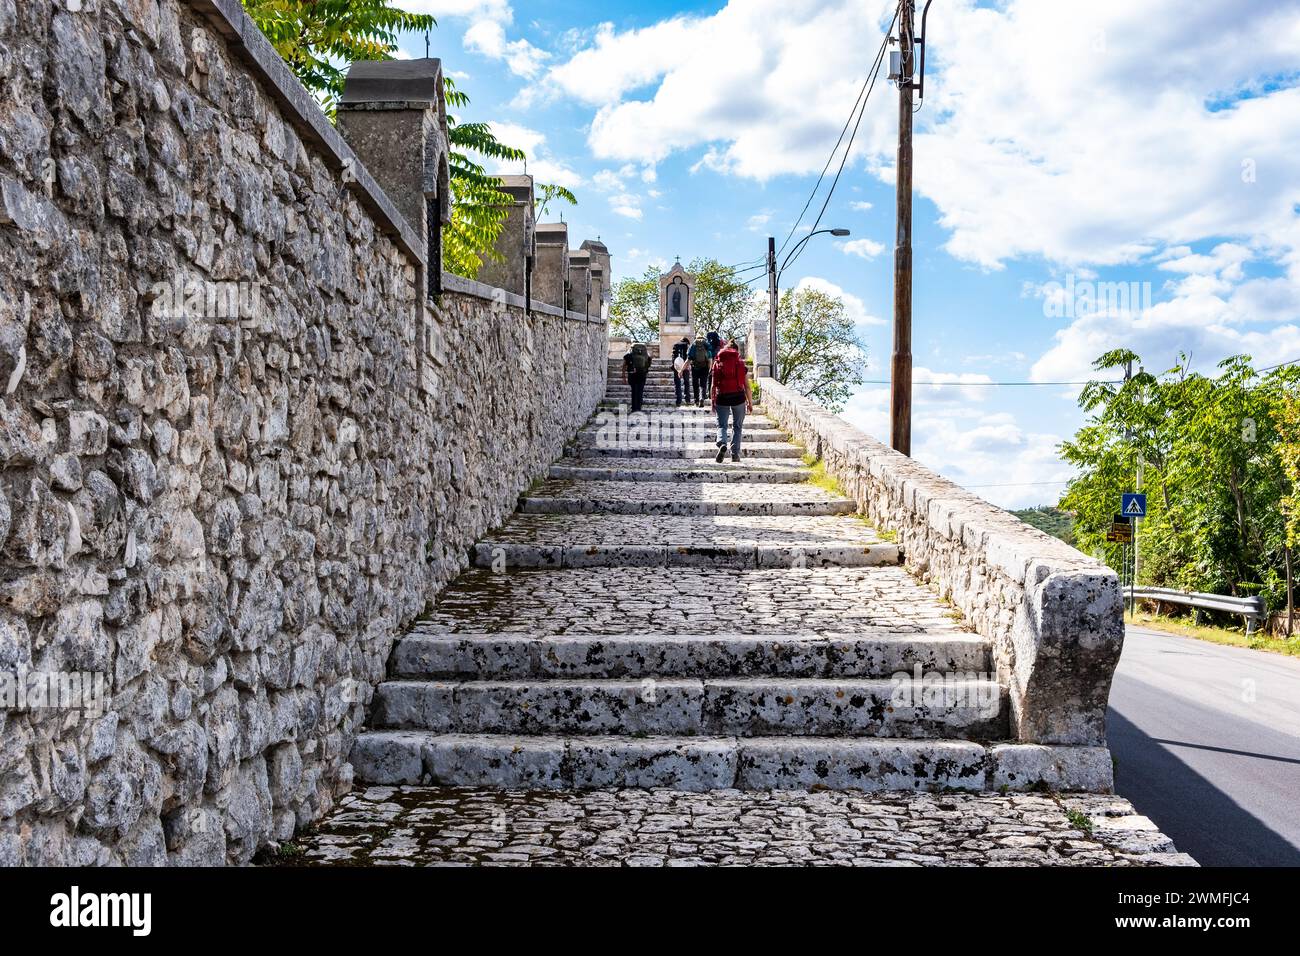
682	370
732	397
714	341
701	359
636	369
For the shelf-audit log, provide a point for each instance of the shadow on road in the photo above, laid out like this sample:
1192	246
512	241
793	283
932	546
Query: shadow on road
1192	811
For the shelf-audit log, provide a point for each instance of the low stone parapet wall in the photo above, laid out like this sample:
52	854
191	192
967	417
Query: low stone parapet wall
1053	615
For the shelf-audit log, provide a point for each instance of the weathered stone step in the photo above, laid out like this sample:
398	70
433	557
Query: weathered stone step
771	449
610	436
954	707
645	422
506	556
875	652
668	498
539	504
616	392
719	763
676	470
680	530
687	409
688	601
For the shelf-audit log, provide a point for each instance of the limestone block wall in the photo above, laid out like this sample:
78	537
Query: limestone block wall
1053	615
239	449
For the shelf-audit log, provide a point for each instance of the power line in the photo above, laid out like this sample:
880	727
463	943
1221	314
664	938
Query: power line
855	111
848	149
883	381
1022	484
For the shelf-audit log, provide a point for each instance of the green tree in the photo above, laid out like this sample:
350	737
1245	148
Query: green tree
1212	453
723	304
634	307
819	354
319	39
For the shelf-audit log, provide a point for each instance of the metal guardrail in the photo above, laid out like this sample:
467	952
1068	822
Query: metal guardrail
1251	608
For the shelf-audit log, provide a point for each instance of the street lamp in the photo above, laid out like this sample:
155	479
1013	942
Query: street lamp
774	282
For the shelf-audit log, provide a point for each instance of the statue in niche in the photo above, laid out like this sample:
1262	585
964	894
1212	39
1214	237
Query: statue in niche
675	310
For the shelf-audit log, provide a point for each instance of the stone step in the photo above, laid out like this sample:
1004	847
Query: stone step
540	504
686	435
688	409
873	652
718	763
668	498
953	707
685	531
641	601
662	418
530	541
770	449
699	470
503	556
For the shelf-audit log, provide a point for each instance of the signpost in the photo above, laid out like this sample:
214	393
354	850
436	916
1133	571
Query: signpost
1133	505
1133	508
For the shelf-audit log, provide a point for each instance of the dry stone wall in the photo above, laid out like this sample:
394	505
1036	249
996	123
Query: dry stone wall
1053	615
238	451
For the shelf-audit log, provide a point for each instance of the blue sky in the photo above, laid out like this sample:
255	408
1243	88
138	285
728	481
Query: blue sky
1061	144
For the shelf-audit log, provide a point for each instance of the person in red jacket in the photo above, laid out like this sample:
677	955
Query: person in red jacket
731	397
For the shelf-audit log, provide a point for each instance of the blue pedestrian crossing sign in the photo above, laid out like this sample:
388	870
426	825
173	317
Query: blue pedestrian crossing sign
1134	506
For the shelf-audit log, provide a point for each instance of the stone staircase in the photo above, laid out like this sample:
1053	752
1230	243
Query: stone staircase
651	618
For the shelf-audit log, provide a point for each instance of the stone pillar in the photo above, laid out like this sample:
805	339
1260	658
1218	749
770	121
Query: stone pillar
759	346
602	278
515	244
579	294
394	116
551	270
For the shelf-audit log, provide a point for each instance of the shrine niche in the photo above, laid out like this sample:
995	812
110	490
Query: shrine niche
676	308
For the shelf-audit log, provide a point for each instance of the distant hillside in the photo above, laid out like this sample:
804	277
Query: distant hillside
1057	523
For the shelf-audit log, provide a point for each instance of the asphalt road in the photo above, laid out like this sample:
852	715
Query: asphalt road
1206	740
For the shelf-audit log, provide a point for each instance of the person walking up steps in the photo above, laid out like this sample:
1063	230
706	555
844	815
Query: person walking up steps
682	371
731	397
701	359
636	369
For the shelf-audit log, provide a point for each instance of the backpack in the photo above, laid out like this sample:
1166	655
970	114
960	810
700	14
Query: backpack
639	359
699	355
729	373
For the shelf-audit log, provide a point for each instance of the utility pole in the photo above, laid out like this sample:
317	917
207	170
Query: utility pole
771	305
900	398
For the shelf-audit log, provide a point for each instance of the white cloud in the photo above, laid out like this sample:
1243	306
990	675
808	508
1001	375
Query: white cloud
486	33
488	37
861	206
990	453
622	200
1100	146
758	221
863	248
544	167
770	81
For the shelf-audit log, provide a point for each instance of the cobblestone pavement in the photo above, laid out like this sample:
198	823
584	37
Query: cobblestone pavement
411	826
683	492
681	531
667	601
